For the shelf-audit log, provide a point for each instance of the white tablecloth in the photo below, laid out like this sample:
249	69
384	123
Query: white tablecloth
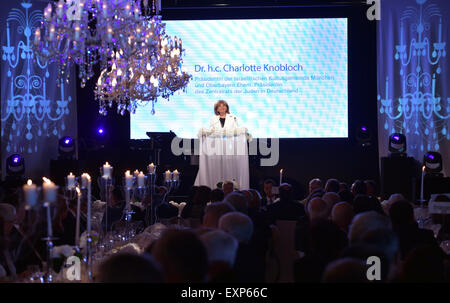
223	158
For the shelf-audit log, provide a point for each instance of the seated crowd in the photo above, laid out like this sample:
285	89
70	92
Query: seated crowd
235	236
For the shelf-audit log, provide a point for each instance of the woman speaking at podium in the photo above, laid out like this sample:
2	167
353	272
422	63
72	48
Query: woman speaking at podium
223	120
223	150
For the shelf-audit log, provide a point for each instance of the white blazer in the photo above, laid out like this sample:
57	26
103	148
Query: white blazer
231	123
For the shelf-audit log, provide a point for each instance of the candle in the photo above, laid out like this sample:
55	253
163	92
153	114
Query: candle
401	33
151	168
109	38
84	180
7	33
77	226
421	185
440	30
176	175
50	190
105	9
167	175
281	176
59	9
77	31
52	32
48	12
70	181
136	173
49	220
37	36
107	170
128	180
141	179
30	192
89	202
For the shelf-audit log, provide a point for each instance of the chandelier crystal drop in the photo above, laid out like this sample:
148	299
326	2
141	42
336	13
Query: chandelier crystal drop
138	61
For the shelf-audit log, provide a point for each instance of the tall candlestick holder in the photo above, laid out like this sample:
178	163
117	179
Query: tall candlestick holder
172	183
128	190
139	192
48	276
85	190
150	185
70	192
106	185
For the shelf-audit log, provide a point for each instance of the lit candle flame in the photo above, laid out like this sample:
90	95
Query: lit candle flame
29	182
46	180
85	175
78	191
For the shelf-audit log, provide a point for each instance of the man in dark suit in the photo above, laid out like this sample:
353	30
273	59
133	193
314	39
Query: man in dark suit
268	197
404	225
286	208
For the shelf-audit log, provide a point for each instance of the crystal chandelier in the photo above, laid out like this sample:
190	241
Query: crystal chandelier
126	38
153	71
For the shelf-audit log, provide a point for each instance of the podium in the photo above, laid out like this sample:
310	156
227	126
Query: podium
221	158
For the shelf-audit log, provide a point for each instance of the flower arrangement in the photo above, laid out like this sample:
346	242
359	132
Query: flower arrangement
225	132
180	206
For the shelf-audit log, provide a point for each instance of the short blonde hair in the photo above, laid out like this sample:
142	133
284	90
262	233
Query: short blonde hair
216	106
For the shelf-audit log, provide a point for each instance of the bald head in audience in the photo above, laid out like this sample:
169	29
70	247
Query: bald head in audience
238	200
238	225
214	211
318	209
331	198
221	246
366	222
342	215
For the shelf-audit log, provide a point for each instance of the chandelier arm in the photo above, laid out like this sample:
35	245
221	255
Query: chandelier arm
413	42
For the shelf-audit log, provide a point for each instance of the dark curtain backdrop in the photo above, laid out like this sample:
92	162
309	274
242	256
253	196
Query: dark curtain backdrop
414	76
35	111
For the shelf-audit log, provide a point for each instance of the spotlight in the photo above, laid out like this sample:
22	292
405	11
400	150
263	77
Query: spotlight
432	162
397	144
15	165
363	136
100	131
66	147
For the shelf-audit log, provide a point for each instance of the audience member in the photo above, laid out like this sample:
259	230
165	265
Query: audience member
332	185
331	198
214	211
222	249
129	268
409	234
342	215
248	267
195	208
358	188
182	255
363	203
286	208
365	222
228	187
325	242
371	188
268	197
217	195
238	200
346	270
